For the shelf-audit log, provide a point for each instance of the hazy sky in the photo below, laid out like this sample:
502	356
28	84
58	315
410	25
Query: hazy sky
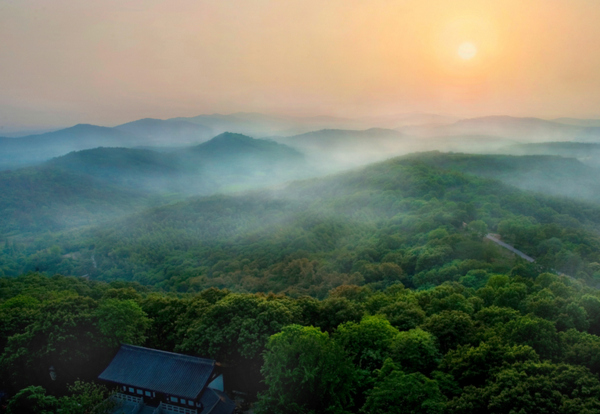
111	61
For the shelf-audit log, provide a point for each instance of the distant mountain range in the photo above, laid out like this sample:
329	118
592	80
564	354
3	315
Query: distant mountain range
579	122
15	152
262	125
356	141
588	153
38	148
337	149
518	129
75	186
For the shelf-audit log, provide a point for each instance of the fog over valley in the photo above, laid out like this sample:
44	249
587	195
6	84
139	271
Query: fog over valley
86	175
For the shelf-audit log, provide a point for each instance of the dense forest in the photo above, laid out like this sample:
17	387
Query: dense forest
514	342
401	220
371	291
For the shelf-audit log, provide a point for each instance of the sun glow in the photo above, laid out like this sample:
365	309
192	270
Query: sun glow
467	50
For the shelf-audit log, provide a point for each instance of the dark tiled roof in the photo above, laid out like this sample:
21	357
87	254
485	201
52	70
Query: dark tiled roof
150	369
216	402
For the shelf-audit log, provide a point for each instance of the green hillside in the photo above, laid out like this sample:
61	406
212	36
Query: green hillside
139	169
548	174
228	161
230	147
111	163
49	199
401	220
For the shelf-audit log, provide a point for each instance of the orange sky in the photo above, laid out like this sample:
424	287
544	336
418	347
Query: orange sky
112	61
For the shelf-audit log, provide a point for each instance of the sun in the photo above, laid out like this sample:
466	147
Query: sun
467	50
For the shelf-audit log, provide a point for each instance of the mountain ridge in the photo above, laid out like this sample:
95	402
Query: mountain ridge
522	129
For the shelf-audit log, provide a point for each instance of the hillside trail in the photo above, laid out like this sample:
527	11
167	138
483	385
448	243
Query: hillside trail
496	239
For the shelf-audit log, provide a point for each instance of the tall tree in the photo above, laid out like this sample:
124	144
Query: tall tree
306	372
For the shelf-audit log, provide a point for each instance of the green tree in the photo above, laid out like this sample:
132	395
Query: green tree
532	388
415	350
366	343
122	321
404	315
455	301
15	314
591	305
475	278
573	316
495	315
66	336
32	400
86	397
539	334
474	365
336	310
306	372
165	314
396	392
479	227
580	348
238	327
451	328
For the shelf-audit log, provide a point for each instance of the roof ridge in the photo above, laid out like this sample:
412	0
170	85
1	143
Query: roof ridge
174	354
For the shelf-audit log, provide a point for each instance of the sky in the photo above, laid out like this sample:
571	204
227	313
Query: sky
112	61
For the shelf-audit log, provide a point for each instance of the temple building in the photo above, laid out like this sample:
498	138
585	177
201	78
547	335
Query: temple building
159	382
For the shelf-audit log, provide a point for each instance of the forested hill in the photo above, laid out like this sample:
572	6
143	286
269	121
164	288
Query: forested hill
548	174
118	164
144	170
89	186
227	159
39	199
235	152
400	220
588	153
